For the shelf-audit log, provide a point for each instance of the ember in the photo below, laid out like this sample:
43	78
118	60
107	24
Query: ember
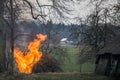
26	63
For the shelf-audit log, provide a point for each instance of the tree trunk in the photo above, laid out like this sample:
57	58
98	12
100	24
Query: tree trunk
2	38
12	23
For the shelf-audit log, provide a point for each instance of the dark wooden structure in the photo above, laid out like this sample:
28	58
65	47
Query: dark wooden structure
108	59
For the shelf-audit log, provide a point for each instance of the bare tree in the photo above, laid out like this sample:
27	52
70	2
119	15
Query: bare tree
2	37
57	10
12	11
98	28
10	21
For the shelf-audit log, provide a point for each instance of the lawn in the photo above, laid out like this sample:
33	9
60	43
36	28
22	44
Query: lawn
71	64
56	76
71	70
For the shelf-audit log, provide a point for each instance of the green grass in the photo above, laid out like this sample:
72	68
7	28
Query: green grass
70	67
56	76
88	67
70	63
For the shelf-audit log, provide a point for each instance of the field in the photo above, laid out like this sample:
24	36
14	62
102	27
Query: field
71	70
71	64
55	76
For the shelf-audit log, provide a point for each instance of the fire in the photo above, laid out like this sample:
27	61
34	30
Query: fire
26	63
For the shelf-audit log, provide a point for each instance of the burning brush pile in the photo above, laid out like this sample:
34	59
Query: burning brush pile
33	60
27	54
26	62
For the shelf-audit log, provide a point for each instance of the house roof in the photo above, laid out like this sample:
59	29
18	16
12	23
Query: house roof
63	39
113	47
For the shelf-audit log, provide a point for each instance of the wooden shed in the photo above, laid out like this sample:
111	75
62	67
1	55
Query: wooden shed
108	59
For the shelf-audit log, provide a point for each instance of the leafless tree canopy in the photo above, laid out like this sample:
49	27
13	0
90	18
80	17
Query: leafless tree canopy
11	11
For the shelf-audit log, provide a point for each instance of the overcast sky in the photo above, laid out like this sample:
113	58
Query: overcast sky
79	10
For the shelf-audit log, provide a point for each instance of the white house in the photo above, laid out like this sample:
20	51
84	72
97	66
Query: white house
64	41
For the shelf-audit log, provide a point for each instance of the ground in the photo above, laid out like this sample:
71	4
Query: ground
71	71
55	76
71	64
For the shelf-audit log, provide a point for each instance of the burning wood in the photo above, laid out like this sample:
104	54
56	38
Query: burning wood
26	62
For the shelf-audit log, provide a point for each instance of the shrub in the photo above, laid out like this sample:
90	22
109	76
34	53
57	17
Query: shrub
51	60
47	64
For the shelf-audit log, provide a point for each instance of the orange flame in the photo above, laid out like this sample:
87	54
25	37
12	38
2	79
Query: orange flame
26	63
